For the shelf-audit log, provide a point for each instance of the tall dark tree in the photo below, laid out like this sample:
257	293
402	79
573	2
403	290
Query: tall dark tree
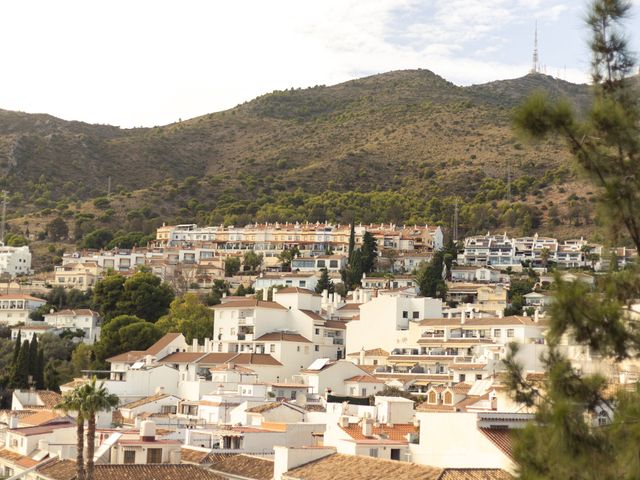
566	440
325	282
33	357
16	348
369	251
352	239
20	374
430	277
39	375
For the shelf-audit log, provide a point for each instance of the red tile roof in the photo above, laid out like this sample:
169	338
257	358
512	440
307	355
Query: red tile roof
246	466
162	343
248	303
282	337
501	438
364	379
66	470
397	432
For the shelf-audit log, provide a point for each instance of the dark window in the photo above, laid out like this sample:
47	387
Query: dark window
395	454
154	455
129	456
416	314
405	314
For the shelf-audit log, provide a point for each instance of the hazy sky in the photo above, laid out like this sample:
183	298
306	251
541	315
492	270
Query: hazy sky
152	62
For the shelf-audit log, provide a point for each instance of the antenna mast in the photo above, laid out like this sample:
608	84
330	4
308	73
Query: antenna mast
535	68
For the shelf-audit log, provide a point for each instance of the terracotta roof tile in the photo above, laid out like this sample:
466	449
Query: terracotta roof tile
282	337
501	438
127	357
304	291
200	457
49	399
397	432
374	352
358	467
246	466
248	303
162	343
182	357
66	470
254	359
39	418
17	459
364	379
474	474
146	400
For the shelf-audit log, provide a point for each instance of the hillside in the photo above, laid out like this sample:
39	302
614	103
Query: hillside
399	146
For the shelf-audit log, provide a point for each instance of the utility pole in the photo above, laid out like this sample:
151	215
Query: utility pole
455	222
4	215
508	180
109	186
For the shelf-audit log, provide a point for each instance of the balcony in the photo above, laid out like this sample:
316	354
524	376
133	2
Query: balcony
338	341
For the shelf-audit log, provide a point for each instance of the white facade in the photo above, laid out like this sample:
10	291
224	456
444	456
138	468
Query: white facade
16	308
86	320
384	321
15	261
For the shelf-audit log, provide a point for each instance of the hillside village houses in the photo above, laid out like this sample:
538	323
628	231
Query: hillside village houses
15	261
285	385
288	387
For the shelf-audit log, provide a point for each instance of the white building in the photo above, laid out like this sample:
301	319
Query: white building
384	321
15	261
15	308
82	319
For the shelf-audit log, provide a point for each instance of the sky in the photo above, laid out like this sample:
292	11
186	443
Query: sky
153	62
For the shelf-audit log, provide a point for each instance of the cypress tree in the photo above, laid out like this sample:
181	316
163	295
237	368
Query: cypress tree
352	239
39	376
20	374
324	282
16	349
369	251
33	357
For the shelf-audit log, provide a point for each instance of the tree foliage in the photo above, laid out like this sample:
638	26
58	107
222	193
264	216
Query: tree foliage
565	441
143	295
325	282
189	316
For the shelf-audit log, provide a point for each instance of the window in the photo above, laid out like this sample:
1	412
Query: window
462	377
233	331
405	314
303	283
510	332
478	376
272	348
129	456
321	263
416	314
298	348
496	332
364	392
373	452
333	263
317	331
154	455
317	348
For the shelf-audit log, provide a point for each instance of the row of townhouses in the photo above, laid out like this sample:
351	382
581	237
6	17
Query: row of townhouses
501	251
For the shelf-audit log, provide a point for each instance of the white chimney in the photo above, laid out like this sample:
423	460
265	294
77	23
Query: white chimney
13	421
147	430
536	316
361	357
500	313
194	345
463	318
207	341
344	421
367	427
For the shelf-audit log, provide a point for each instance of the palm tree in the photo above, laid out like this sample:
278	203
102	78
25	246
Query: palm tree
94	399
71	402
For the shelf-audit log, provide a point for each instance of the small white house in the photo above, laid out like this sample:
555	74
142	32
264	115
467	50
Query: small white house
83	319
15	261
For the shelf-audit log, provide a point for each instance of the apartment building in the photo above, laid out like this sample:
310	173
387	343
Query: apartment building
309	238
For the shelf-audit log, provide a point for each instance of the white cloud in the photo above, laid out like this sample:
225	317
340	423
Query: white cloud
149	62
